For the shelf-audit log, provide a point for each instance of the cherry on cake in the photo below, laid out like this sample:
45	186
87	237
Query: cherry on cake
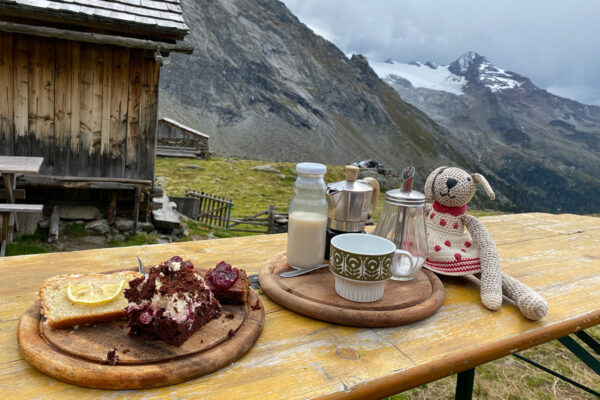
229	284
171	303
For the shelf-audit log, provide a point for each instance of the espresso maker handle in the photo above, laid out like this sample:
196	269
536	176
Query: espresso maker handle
374	196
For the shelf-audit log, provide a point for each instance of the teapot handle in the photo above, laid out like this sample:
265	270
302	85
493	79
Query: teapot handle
374	196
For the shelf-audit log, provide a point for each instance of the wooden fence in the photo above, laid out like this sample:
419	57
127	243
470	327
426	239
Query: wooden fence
216	211
207	208
274	222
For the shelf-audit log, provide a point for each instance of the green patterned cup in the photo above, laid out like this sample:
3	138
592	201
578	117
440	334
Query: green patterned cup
361	265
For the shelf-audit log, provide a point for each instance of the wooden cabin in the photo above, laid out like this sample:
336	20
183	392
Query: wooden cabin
178	140
79	87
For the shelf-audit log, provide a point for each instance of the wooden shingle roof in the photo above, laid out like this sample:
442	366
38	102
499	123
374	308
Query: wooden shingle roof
154	17
183	127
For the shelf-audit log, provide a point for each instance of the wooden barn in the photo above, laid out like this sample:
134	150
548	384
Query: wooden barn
178	140
79	87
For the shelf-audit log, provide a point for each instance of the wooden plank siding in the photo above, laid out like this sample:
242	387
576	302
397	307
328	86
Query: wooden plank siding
148	114
118	112
90	110
6	94
62	106
21	95
41	101
136	68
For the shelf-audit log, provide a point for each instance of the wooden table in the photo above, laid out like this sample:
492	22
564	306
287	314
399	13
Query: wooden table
10	167
297	357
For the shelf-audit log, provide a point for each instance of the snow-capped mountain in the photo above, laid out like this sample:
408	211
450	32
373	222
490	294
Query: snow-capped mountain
543	149
428	75
451	78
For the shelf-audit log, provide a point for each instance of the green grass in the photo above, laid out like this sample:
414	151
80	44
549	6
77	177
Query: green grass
76	230
198	231
252	191
29	244
135	240
23	248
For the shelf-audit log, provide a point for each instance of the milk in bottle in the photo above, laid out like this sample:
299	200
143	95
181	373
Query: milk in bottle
307	222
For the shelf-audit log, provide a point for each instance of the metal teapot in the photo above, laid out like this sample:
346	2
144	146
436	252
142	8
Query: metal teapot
402	221
351	202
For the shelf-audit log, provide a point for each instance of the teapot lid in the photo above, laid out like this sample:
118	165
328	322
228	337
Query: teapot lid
405	196
407	199
350	184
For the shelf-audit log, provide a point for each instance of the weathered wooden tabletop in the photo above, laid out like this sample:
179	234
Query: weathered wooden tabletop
20	165
297	357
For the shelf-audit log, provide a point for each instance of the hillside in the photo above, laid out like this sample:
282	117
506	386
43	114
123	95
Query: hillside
264	86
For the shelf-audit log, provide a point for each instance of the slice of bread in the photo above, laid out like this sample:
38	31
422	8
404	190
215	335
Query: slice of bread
61	312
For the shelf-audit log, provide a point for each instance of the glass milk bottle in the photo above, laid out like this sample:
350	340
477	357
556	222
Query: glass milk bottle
307	223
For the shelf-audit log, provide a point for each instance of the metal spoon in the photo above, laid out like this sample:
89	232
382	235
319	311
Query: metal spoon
141	267
297	272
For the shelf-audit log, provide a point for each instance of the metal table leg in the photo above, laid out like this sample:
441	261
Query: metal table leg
580	353
464	384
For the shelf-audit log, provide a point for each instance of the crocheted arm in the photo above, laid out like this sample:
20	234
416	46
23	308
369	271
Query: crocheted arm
491	279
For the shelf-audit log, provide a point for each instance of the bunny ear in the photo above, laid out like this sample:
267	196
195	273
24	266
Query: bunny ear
429	184
478	178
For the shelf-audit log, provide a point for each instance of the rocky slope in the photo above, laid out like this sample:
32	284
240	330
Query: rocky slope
264	86
543	150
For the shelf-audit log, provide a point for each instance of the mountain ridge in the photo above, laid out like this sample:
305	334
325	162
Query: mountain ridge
523	134
263	85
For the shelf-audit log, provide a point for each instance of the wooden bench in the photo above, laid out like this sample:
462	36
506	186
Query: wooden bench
6	210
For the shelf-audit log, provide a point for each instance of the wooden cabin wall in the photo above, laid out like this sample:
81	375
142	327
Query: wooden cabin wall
90	110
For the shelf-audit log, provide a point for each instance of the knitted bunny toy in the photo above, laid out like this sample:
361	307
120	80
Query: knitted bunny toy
452	251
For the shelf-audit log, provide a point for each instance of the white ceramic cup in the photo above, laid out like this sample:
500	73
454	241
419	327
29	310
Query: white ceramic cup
362	263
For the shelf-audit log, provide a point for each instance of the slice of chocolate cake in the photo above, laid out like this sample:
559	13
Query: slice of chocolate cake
229	285
171	303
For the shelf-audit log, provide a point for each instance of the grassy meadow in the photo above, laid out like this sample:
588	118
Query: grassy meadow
252	191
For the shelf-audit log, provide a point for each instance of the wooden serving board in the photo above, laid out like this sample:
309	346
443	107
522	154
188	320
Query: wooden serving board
77	355
314	295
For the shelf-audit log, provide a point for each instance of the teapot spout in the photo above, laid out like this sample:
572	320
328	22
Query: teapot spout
333	197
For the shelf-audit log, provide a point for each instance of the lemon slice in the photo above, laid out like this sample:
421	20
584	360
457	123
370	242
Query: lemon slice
92	295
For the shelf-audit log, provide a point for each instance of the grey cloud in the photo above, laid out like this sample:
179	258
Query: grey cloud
555	43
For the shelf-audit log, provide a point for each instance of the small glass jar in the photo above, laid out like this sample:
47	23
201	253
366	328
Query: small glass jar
307	222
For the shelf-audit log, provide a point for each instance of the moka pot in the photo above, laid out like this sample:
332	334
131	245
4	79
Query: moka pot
350	203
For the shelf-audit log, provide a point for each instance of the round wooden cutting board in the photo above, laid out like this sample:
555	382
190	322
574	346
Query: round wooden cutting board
77	355
314	295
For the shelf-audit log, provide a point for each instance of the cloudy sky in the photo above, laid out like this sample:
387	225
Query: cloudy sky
555	43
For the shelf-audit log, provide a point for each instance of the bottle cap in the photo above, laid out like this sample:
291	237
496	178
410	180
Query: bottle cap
311	168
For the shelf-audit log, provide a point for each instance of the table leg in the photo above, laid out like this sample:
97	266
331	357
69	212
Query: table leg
3	240
10	182
464	384
590	341
556	374
136	208
581	353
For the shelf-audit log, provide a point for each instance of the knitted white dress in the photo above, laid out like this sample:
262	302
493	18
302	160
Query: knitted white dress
450	246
